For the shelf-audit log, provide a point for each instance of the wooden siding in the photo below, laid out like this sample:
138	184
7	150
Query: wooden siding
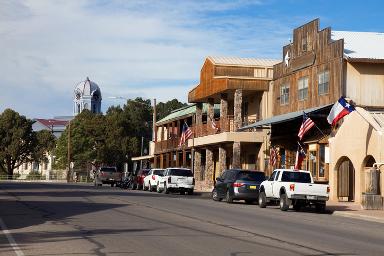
321	54
216	79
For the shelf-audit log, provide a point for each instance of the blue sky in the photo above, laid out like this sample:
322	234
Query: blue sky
152	49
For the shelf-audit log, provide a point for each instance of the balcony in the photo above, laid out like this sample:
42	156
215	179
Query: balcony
200	131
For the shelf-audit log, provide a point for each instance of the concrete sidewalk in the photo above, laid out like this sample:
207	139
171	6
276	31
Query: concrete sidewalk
344	209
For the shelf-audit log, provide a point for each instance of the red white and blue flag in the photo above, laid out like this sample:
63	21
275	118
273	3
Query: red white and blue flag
305	126
340	109
186	133
213	125
300	155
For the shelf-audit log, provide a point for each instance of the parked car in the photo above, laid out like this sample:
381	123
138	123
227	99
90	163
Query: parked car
151	181
293	187
238	184
177	180
138	179
107	175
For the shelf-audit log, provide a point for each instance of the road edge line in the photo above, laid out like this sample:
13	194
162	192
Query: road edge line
10	238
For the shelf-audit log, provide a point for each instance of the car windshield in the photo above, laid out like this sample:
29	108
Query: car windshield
251	176
108	169
300	177
181	172
158	172
144	172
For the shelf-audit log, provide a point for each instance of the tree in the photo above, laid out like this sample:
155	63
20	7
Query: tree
17	141
45	143
164	109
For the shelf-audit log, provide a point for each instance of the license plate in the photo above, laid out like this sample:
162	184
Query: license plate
252	187
311	197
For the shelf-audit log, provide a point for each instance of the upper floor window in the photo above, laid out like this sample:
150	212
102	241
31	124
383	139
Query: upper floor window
323	82
302	86
284	94
304	44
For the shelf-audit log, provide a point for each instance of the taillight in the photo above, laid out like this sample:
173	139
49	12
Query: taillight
153	177
238	185
292	187
328	189
169	180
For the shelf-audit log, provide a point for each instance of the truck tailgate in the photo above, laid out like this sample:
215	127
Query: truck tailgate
311	189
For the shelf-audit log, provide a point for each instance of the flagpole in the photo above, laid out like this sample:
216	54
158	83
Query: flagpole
317	127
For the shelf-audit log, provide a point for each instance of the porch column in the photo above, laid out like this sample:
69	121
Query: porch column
155	161
166	160
211	115
177	159
199	119
236	155
224	113
197	165
238	101
222	159
162	133
209	167
161	161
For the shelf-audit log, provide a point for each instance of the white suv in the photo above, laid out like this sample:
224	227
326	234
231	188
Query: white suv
151	181
177	180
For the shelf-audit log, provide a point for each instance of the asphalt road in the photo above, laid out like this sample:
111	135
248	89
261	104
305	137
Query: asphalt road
61	219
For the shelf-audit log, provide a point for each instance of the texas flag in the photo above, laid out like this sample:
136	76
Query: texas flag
340	109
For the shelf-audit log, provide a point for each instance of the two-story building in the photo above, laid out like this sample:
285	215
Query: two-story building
317	68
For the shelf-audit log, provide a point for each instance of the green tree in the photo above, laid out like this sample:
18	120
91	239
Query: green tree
164	109
45	143
17	141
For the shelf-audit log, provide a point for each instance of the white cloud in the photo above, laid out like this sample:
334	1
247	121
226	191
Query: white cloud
124	46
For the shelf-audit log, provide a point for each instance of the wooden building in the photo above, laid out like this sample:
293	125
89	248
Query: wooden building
317	68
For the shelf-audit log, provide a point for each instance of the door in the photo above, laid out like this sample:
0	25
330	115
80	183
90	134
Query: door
220	184
346	181
268	185
276	186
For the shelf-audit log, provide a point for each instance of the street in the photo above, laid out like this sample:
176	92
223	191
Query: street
71	219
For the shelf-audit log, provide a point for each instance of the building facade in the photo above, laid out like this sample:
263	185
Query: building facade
87	95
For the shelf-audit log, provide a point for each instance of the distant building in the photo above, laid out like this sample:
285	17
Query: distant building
87	95
56	125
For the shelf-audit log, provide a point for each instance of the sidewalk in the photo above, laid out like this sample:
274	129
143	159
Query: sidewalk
344	209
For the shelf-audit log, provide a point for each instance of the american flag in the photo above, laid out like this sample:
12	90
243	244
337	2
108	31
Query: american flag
305	126
272	156
213	125
186	132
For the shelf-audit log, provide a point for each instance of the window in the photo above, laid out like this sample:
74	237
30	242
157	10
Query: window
181	172
302	86
284	94
300	177
323	81
277	176
250	176
304	44
322	161
272	176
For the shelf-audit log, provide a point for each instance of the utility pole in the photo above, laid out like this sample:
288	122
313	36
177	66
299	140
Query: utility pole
154	122
69	153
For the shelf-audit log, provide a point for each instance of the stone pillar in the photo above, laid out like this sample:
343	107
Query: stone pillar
237	106
177	159
197	165
199	119
224	126
236	155
162	133
222	159
209	167
210	115
184	158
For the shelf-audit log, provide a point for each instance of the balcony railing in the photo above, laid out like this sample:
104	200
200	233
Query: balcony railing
222	125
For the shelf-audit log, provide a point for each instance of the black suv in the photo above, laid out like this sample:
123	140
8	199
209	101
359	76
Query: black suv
238	184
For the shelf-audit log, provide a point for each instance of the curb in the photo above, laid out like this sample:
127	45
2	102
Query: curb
358	216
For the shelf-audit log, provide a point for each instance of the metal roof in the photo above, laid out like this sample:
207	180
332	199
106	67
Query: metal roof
361	45
185	112
282	118
236	61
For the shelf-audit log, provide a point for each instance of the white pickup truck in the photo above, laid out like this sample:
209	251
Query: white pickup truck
293	187
177	180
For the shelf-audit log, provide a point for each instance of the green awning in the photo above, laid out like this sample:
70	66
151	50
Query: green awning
282	118
186	112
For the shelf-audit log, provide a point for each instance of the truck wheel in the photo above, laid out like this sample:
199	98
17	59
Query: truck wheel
262	200
284	205
166	190
229	198
320	207
214	195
